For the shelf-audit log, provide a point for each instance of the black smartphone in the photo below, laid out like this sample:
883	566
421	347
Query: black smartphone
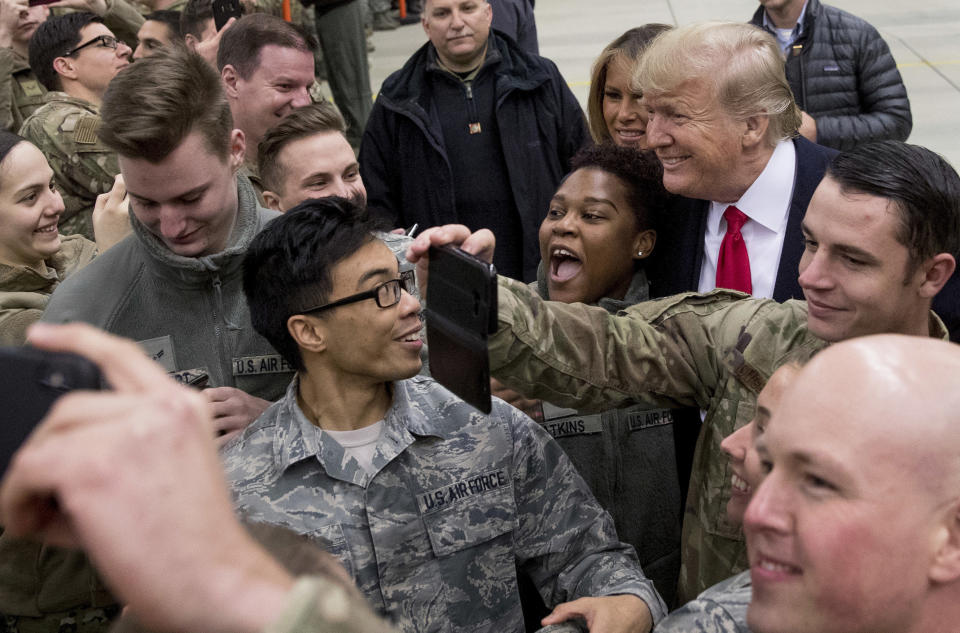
33	379
461	313
223	10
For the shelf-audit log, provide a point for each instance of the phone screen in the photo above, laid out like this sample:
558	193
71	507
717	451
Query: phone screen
33	381
461	312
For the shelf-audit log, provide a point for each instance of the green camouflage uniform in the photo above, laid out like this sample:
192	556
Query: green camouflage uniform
20	92
319	605
25	291
714	351
720	609
65	130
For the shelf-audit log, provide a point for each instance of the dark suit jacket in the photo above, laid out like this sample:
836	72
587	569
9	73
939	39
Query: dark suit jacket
679	252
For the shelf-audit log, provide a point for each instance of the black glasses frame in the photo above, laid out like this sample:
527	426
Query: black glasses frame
404	282
106	41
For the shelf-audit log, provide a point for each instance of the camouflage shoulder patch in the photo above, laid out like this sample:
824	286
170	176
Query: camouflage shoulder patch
86	130
31	87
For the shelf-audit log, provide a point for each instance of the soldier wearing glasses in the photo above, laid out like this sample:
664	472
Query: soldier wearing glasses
75	56
430	505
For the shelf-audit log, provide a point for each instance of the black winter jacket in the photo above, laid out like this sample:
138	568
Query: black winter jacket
844	76
404	163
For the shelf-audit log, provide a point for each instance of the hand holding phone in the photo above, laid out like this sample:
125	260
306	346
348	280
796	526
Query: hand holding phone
461	313
223	10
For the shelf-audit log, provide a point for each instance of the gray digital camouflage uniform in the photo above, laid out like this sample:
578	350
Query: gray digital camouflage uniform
714	351
458	501
65	130
720	609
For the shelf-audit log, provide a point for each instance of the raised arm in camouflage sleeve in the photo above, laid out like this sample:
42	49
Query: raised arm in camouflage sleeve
124	20
666	352
714	351
6	89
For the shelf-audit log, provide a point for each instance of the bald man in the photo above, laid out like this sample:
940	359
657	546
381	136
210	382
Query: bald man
856	526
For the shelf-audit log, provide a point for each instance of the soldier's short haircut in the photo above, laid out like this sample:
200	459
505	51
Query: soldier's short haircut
194	16
150	107
923	186
317	118
240	45
640	172
170	18
742	62
55	38
625	51
287	268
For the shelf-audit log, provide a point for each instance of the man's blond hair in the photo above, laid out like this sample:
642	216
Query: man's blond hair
743	62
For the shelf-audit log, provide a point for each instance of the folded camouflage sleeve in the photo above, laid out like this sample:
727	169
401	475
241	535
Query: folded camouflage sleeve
665	353
321	605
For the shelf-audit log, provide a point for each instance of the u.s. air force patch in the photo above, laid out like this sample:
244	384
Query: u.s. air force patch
474	485
253	365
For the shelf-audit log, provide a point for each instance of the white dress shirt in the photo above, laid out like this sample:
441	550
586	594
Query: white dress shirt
767	204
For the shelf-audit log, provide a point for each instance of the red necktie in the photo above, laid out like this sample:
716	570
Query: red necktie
733	264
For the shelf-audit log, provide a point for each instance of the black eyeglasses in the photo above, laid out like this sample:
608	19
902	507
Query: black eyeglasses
386	294
106	41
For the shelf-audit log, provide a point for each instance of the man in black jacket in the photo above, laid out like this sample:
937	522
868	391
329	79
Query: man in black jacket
841	72
472	130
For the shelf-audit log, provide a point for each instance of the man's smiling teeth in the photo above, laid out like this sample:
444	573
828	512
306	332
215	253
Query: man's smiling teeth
769	565
739	483
412	337
47	229
673	160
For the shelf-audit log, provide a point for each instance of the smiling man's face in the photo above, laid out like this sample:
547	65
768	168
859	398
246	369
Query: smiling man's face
849	530
855	273
698	143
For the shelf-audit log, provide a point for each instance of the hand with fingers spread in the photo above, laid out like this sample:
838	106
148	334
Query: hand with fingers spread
207	49
605	614
111	215
132	476
480	243
232	410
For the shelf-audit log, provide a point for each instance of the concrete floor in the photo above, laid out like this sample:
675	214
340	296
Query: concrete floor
924	36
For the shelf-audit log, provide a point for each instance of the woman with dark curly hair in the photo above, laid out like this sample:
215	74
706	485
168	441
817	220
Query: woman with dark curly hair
597	235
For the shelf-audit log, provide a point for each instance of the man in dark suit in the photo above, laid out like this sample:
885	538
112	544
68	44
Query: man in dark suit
724	124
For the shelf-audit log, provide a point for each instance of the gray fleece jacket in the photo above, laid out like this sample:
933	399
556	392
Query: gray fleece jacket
189	313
